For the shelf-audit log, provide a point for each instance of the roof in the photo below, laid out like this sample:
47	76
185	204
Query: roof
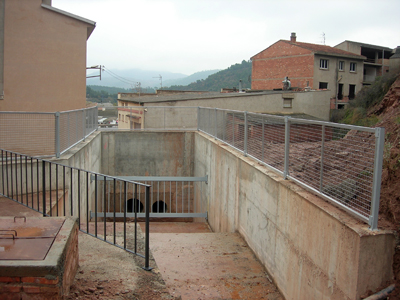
367	46
205	96
91	23
321	50
325	50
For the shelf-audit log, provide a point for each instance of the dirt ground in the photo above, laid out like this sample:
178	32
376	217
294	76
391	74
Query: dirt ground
108	272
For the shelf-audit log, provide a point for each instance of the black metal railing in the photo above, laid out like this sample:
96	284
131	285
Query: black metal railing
54	189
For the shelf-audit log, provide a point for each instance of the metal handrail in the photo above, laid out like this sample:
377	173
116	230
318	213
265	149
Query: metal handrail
31	180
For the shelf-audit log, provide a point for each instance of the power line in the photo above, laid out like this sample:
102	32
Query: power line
120	78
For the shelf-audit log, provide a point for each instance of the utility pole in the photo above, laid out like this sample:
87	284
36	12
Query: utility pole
138	87
98	67
160	77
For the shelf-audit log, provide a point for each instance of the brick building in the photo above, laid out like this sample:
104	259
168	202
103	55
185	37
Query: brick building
308	66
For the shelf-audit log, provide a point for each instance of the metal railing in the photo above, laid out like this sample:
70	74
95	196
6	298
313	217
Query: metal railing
342	163
58	190
171	197
45	134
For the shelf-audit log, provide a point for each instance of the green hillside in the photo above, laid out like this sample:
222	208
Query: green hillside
227	78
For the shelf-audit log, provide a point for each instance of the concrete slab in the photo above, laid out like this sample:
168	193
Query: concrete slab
12	209
177	227
209	265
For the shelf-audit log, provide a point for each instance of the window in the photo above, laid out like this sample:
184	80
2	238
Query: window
287	102
352	91
341	65
340	91
353	67
323	64
323	85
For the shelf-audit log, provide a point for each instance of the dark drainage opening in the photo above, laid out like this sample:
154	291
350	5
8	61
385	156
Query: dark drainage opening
134	205
159	207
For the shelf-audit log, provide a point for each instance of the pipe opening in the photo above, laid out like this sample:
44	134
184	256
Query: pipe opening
134	205
159	207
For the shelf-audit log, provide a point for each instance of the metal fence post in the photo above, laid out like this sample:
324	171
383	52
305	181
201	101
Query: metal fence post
376	184
321	174
147	237
84	123
95	118
43	188
245	133
57	133
287	144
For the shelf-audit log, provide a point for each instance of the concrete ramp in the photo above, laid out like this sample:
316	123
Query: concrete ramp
198	264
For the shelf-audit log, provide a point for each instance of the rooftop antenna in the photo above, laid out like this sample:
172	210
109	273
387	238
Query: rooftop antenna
159	76
323	38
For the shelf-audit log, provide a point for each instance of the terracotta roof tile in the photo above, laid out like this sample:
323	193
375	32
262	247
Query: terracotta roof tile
324	49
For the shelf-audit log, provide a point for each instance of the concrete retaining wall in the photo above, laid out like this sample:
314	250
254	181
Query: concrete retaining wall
314	103
311	249
147	153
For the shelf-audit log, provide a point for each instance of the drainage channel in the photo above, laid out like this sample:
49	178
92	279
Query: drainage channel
196	263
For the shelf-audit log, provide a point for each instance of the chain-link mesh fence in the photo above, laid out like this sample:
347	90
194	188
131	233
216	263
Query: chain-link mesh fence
29	133
74	126
45	134
340	162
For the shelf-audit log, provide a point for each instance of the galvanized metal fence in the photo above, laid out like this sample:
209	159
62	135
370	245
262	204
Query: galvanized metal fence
58	190
342	163
45	134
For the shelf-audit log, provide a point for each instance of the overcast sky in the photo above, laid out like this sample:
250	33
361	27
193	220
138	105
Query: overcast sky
187	36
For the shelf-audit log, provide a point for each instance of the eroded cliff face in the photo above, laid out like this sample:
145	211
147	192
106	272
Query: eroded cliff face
388	110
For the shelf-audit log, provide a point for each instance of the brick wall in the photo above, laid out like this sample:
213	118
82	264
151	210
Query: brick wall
50	286
272	65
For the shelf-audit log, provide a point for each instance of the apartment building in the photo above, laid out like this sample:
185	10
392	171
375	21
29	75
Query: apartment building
42	57
376	61
308	66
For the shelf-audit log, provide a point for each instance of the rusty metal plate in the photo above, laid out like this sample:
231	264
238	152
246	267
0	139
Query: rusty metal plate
27	239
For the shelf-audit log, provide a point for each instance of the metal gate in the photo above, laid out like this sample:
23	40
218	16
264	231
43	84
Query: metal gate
171	197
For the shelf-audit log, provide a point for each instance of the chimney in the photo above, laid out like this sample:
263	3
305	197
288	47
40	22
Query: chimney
293	37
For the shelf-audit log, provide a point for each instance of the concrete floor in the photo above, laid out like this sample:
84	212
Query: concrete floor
198	264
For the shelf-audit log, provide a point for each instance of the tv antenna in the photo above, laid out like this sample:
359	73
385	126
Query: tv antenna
323	38
160	77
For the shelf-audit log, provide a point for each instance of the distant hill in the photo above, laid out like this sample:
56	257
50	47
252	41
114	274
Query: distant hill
109	89
128	79
227	78
189	79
